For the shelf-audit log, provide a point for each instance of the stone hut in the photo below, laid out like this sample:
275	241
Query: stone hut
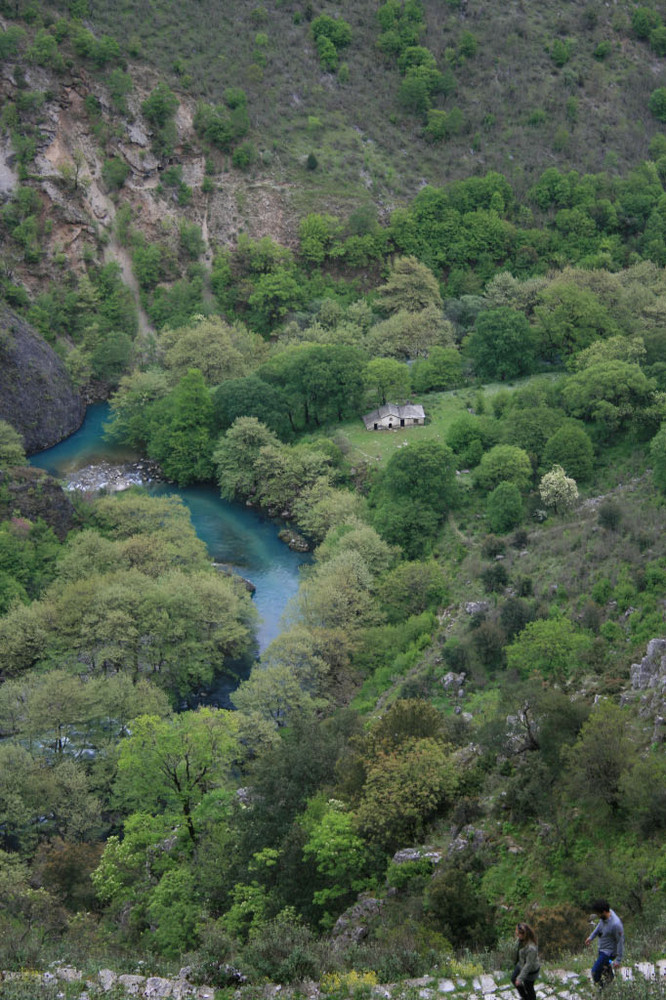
391	415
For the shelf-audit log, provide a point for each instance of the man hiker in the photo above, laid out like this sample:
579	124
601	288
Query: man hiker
610	932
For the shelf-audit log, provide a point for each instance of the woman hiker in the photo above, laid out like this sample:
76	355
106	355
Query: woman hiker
527	962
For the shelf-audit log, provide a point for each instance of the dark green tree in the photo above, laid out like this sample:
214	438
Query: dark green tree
180	432
572	448
502	344
504	508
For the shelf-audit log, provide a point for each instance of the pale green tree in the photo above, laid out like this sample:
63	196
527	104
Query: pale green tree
504	464
558	490
275	693
552	647
130	406
339	595
219	350
411	285
340	855
170	764
387	380
410	334
404	789
354	535
320	507
22	797
24	633
235	456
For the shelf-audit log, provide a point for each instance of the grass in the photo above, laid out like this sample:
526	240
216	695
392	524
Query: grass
441	409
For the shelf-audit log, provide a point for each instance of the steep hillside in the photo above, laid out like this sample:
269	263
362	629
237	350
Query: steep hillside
537	85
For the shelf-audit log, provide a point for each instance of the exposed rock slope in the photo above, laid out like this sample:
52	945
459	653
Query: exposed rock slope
36	394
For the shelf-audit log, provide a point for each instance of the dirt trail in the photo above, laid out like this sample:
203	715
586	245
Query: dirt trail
114	251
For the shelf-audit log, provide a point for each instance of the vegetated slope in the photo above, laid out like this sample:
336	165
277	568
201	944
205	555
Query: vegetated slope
537	86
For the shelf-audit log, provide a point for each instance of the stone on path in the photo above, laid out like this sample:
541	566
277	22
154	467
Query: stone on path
485	983
158	988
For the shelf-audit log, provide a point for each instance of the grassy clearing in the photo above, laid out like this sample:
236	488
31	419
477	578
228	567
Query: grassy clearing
441	410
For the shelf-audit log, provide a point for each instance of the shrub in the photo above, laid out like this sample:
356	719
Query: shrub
283	951
160	106
504	463
493	546
644	20
114	173
572	448
504	507
560	52
244	156
461	910
489	641
657	104
454	653
560	929
494	577
658	458
514	616
658	40
610	515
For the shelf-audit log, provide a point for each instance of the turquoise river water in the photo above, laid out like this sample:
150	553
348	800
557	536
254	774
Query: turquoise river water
233	534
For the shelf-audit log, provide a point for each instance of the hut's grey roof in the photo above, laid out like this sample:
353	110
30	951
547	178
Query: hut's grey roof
411	411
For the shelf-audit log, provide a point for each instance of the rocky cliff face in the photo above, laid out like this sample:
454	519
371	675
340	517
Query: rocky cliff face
30	493
648	683
36	394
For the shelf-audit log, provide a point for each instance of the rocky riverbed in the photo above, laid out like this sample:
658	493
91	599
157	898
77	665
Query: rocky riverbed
110	478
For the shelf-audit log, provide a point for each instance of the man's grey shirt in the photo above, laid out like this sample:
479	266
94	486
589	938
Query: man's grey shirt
611	935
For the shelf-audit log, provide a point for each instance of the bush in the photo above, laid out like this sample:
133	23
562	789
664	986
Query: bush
494	577
160	106
504	507
454	653
657	104
283	951
461	910
610	515
244	156
560	929
493	546
114	173
560	52
644	20
514	616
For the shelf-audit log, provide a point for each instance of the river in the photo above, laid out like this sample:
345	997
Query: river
234	534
